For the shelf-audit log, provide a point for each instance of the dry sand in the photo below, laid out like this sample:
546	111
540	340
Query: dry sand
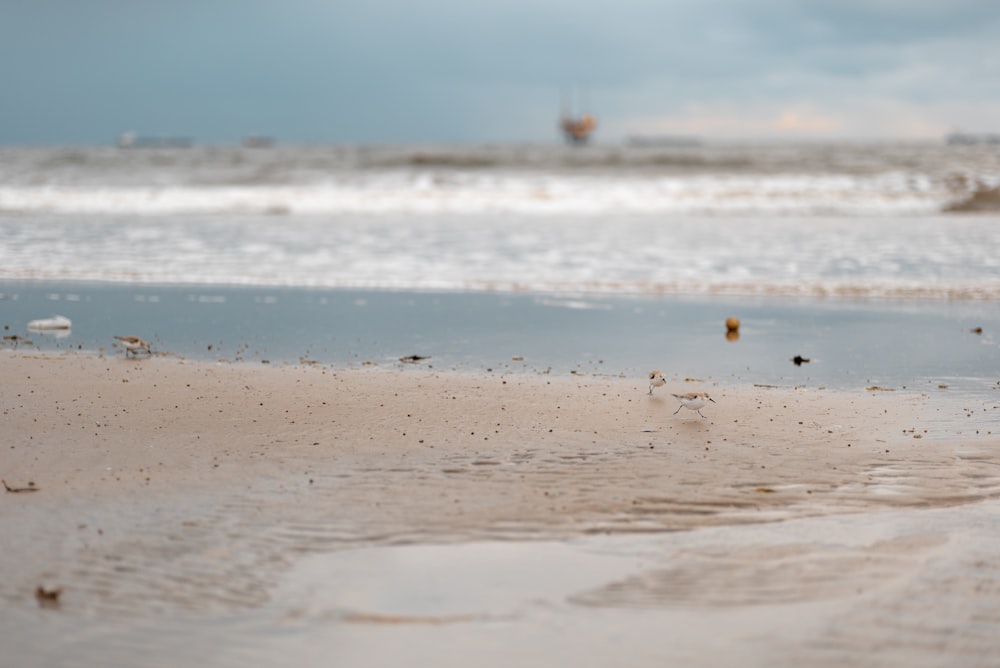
180	491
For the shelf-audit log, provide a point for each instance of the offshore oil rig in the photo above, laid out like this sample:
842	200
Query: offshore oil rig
576	129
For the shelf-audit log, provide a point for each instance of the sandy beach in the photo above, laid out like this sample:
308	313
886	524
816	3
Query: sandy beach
167	495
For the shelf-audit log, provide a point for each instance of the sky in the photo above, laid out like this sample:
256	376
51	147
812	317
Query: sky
438	71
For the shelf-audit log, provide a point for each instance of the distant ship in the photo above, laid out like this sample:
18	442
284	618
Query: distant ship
971	139
663	141
257	141
129	139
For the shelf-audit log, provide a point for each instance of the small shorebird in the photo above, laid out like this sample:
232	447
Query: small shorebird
693	400
656	379
133	344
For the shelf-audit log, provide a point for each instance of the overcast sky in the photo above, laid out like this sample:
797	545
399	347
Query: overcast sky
363	71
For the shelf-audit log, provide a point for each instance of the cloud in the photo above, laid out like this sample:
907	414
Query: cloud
868	118
861	117
805	121
723	121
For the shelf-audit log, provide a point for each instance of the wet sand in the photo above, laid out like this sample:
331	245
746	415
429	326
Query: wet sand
234	513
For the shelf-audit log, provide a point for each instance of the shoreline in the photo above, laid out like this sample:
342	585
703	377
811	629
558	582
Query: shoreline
851	343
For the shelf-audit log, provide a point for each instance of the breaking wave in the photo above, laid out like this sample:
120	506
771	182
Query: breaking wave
806	180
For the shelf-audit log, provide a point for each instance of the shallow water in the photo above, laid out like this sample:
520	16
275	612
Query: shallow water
910	344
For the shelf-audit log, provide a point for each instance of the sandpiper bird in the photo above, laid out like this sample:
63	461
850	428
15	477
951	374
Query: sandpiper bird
693	400
133	344
656	379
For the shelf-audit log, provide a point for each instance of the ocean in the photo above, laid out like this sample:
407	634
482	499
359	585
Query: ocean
878	220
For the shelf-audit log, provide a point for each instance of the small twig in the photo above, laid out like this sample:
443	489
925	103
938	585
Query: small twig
30	488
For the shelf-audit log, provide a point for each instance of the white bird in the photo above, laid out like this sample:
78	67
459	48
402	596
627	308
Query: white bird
656	379
133	344
693	400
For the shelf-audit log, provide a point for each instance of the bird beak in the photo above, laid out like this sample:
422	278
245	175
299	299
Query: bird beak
712	400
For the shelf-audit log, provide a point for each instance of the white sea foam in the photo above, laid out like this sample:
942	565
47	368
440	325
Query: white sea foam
535	195
784	179
945	256
790	219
